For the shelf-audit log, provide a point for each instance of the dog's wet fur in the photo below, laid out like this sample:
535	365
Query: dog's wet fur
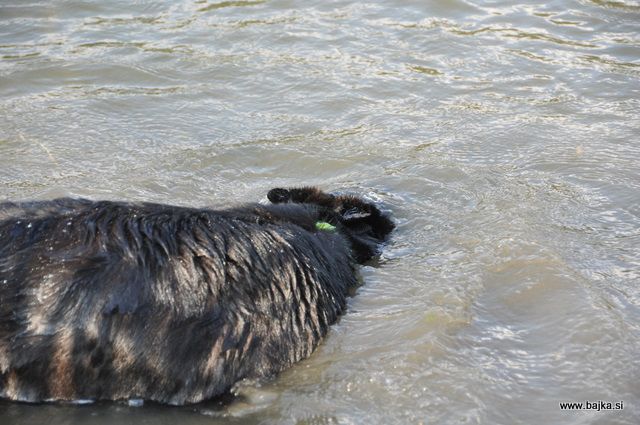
110	300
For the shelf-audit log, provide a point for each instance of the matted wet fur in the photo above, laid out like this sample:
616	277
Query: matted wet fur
113	300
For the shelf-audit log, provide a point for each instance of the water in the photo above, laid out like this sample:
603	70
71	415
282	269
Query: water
503	137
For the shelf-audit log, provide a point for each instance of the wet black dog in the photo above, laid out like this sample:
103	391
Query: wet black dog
111	300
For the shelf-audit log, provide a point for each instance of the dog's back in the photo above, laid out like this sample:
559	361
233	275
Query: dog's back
108	300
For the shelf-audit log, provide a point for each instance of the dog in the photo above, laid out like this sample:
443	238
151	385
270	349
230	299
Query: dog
105	300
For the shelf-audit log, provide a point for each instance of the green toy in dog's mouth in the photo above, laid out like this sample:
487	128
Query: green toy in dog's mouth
324	226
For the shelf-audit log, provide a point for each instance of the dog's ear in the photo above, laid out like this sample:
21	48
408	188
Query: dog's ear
279	195
302	195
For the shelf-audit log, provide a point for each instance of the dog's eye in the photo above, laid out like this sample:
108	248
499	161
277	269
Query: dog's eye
354	213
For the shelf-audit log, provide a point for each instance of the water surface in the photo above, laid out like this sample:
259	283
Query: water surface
503	137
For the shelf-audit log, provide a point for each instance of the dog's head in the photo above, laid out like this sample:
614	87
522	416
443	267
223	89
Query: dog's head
360	221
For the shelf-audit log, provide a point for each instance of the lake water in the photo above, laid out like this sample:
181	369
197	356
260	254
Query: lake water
503	137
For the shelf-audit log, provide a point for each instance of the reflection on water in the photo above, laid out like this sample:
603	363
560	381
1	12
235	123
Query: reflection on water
503	137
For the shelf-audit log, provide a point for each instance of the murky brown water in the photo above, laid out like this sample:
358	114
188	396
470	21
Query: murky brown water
504	138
